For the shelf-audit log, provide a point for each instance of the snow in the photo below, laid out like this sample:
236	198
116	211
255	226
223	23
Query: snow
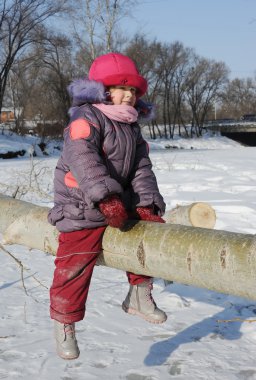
10	145
10	142
195	343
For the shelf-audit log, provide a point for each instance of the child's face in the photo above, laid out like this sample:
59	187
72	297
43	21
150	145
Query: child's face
124	95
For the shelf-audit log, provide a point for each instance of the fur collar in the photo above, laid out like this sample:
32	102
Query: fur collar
89	91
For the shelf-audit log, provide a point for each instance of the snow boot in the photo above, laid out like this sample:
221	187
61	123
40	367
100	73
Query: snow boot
67	347
139	301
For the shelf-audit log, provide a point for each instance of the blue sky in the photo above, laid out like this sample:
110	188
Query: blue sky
224	30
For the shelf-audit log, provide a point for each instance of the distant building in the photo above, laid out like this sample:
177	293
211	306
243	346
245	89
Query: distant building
7	114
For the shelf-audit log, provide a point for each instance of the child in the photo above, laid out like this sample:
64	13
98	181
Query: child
103	175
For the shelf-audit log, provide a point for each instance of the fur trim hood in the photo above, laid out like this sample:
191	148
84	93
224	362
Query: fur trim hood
90	91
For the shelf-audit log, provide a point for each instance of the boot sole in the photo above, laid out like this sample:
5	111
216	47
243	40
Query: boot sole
134	312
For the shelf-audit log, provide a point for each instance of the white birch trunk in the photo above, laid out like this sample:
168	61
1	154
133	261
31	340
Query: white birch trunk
217	260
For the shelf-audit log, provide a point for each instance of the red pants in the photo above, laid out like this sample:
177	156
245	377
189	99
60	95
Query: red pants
75	260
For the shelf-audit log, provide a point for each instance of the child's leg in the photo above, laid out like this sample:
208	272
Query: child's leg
76	257
139	300
135	279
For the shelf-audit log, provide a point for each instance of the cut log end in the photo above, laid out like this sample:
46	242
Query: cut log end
197	214
202	215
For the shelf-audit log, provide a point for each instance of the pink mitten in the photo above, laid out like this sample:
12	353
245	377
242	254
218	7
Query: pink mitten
147	213
114	211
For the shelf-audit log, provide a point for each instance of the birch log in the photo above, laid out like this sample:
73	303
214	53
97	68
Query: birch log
217	260
198	214
26	224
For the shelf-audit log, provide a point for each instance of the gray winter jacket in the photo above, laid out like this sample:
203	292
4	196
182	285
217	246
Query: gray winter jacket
102	157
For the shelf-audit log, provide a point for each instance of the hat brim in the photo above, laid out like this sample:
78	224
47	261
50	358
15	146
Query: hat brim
136	81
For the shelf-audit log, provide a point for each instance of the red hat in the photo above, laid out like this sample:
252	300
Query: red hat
115	69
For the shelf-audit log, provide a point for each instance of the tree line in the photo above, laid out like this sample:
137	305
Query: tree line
38	61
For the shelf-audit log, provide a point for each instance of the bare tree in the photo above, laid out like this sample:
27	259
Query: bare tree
205	80
57	60
239	98
180	113
19	25
101	19
37	85
22	80
174	60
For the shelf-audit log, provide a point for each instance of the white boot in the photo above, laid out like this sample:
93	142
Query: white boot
67	347
139	301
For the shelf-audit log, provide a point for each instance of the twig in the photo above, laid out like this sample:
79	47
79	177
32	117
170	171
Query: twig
20	265
14	195
22	268
39	282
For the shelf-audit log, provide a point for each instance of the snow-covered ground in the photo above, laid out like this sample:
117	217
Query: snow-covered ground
195	342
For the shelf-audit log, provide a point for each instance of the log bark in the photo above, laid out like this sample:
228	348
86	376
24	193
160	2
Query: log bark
26	224
217	260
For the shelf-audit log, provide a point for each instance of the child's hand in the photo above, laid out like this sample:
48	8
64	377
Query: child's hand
147	213
114	211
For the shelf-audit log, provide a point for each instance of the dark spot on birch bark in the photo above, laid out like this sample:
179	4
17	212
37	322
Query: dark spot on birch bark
223	254
141	254
189	262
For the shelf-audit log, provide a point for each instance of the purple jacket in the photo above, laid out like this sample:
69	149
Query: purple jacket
100	157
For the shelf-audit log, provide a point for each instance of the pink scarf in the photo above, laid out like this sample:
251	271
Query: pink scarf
122	112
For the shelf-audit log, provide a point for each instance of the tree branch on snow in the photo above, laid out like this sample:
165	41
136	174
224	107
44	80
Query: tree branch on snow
19	264
22	269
